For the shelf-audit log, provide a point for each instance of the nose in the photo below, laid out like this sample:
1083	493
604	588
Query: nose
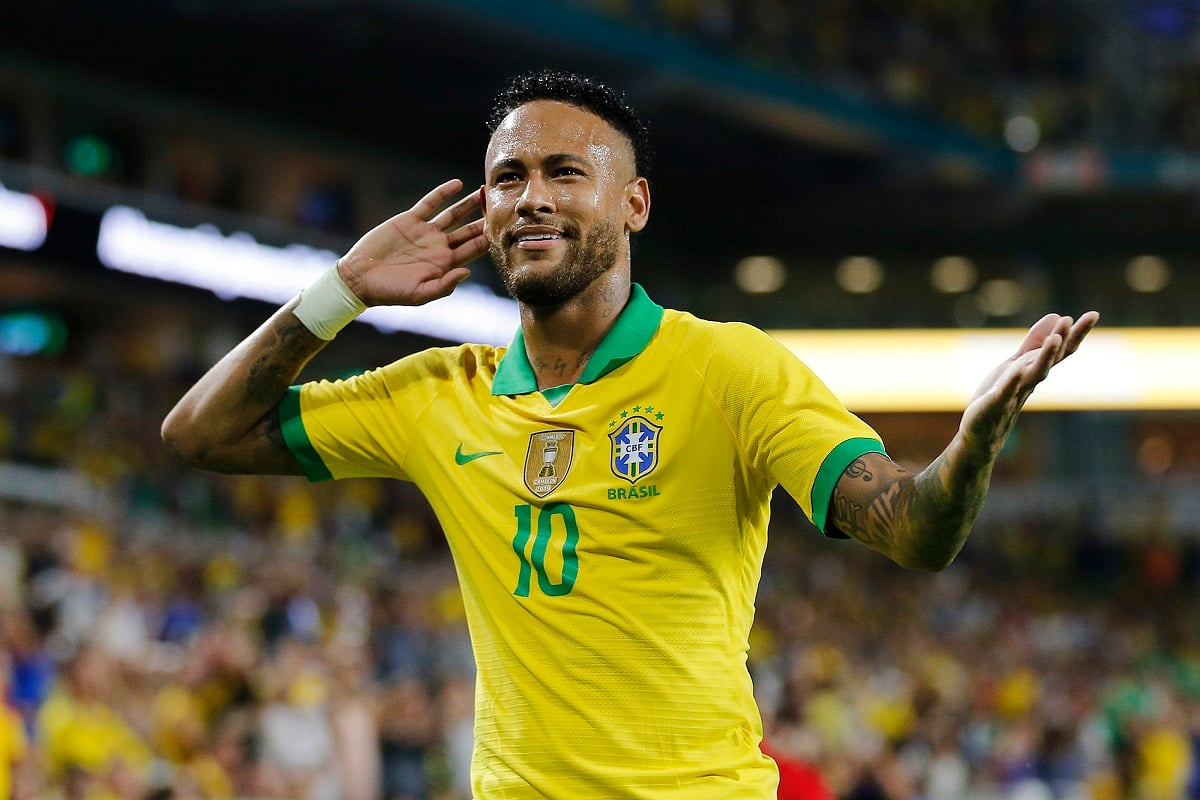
536	198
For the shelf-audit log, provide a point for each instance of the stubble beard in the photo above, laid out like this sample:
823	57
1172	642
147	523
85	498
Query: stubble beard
581	264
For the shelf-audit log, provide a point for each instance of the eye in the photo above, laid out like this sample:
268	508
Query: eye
505	177
569	172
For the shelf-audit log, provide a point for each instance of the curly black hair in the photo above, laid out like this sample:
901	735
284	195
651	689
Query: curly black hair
582	92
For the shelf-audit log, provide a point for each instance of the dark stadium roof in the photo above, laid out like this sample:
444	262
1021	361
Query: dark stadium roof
796	166
742	146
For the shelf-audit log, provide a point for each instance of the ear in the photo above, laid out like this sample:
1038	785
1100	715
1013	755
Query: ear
637	204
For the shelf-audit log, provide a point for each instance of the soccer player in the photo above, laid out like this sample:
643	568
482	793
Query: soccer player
604	481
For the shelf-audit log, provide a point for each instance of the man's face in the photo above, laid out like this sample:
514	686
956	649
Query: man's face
561	193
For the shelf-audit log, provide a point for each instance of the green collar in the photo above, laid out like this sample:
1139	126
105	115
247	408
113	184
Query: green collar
629	335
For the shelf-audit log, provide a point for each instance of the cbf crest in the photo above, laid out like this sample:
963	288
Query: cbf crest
548	459
635	448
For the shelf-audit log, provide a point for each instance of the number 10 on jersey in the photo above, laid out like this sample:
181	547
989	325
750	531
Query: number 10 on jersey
539	525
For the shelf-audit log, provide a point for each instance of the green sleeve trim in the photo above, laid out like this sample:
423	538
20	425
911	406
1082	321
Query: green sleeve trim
296	438
831	471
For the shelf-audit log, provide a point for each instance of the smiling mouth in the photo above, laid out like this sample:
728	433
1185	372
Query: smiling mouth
543	238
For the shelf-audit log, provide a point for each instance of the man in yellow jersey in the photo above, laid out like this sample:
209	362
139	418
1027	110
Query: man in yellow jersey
604	481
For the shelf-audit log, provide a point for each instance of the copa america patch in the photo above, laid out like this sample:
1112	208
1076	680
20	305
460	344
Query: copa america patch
634	448
547	460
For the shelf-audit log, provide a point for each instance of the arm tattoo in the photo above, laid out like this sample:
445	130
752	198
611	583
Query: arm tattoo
270	374
858	469
266	382
847	514
918	520
873	517
887	511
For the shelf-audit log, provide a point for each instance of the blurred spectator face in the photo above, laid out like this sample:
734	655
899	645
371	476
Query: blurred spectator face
91	675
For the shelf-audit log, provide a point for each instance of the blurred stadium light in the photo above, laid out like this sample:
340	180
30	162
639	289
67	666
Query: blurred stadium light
32	332
23	220
236	266
927	370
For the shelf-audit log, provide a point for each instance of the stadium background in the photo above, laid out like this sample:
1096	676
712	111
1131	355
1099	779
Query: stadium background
882	163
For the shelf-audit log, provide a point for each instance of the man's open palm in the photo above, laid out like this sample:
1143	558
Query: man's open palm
418	255
993	410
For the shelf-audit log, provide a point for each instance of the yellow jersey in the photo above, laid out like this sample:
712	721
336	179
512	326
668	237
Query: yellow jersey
608	537
88	735
13	748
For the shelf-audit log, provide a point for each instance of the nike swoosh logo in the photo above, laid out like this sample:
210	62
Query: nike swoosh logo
461	458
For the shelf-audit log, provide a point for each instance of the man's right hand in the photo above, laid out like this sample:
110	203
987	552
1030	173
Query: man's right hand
418	255
226	421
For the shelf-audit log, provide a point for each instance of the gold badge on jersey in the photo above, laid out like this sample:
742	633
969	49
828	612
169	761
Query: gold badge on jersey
548	459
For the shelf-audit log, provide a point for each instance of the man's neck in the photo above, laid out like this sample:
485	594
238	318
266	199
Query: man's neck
560	340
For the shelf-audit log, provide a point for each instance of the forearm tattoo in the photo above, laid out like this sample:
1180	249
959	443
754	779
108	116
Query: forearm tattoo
271	372
268	378
916	519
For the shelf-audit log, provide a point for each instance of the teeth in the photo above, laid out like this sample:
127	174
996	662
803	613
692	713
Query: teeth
540	237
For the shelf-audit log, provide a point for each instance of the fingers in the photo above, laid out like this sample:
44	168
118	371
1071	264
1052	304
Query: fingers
1049	341
467	242
427	205
457	212
1070	333
1013	385
1079	330
1036	336
454	213
460	236
1049	355
1038	332
448	283
1030	366
470	250
1063	339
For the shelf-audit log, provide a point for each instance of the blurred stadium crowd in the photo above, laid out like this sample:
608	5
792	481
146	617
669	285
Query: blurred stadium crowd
1072	73
181	635
168	634
1111	73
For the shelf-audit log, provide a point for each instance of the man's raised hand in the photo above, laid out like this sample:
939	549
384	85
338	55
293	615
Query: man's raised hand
997	403
418	255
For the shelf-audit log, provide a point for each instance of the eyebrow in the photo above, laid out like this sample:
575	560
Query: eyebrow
552	160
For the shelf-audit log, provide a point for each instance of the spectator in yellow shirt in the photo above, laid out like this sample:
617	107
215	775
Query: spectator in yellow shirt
79	731
14	747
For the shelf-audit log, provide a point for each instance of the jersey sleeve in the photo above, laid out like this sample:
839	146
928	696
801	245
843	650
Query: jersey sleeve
362	426
792	427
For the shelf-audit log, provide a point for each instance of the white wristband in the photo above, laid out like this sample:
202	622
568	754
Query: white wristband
328	305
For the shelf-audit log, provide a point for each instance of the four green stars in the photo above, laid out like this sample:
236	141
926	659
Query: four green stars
638	409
